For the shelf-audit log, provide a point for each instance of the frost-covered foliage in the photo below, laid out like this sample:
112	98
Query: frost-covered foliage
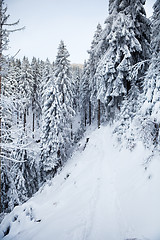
143	121
57	113
49	138
84	96
124	42
19	161
36	90
94	57
88	86
65	89
46	108
124	125
151	97
151	104
155	28
76	77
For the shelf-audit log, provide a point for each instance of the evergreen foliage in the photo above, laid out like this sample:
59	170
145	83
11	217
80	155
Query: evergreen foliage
125	42
57	114
40	102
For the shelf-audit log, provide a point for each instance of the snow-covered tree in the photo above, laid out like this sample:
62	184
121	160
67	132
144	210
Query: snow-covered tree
26	81
20	169
94	58
49	136
36	94
84	96
76	76
8	195
155	43
57	113
151	106
124	42
46	73
63	81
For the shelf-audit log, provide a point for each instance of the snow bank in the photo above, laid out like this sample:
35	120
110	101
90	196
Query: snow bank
102	193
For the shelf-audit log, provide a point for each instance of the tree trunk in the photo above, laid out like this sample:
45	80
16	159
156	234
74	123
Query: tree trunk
27	111
90	113
71	131
24	121
33	124
85	118
99	113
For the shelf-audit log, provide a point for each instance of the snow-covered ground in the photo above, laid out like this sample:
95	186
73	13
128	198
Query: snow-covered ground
101	194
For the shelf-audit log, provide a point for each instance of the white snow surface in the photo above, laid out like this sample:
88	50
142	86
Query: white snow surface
102	193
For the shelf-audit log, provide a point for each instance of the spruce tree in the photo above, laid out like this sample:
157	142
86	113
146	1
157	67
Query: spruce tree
63	81
49	137
125	42
57	113
46	72
36	105
94	58
151	105
84	96
76	76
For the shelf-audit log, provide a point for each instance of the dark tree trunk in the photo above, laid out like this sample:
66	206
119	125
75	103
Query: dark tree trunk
24	121
17	117
99	113
85	119
33	124
90	113
27	111
71	131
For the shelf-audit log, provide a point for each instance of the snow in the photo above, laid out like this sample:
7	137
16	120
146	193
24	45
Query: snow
101	193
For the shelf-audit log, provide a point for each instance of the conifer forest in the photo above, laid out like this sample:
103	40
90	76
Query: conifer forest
62	120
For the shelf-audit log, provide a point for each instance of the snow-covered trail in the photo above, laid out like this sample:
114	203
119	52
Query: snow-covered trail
108	220
100	194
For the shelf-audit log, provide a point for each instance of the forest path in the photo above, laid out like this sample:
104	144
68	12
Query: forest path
106	217
101	193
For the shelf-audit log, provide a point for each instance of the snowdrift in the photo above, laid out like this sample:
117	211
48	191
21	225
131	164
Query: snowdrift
101	193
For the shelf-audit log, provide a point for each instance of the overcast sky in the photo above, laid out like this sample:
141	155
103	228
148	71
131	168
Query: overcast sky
49	21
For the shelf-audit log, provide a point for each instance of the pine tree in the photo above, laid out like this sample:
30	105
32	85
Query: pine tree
50	116
46	72
94	58
125	42
151	106
36	105
63	80
26	81
84	96
76	76
57	113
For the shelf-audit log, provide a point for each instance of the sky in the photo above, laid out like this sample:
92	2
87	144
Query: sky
47	22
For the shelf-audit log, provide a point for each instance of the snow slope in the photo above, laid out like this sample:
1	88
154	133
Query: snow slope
101	194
